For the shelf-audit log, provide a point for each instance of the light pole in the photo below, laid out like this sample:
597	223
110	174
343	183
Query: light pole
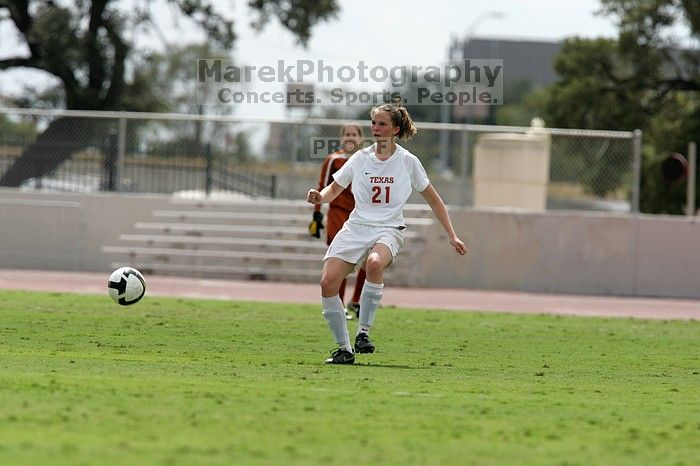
475	23
443	161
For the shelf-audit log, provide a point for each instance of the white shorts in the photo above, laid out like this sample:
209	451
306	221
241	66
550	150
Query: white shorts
354	242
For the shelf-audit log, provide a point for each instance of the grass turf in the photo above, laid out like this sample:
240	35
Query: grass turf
183	382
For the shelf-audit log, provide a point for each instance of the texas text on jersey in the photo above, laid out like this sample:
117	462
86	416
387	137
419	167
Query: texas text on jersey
382	187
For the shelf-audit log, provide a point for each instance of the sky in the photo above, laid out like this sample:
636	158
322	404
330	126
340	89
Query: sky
387	33
397	32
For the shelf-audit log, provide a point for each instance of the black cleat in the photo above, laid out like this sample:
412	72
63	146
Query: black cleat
341	356
363	344
354	308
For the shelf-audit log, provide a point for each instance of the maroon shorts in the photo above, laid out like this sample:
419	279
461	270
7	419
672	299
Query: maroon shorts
334	222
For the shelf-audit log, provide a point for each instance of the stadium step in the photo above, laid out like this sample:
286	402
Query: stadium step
274	206
229	271
254	218
255	239
214	254
238	231
232	242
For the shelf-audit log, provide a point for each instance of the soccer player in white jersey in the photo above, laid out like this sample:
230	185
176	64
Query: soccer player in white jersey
382	176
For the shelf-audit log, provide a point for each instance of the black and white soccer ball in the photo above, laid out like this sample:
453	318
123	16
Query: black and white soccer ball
126	286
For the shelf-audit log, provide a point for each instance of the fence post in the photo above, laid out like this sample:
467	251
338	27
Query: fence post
121	156
636	168
442	163
464	158
208	170
110	163
690	194
273	186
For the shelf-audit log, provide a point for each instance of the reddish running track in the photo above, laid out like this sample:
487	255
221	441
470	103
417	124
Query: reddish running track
426	298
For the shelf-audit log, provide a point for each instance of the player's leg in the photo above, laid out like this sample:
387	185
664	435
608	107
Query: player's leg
341	290
334	272
354	304
377	261
359	283
335	220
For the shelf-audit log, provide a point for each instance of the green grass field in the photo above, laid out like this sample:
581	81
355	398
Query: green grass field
195	382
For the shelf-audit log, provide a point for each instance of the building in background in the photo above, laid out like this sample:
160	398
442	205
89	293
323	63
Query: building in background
522	59
525	63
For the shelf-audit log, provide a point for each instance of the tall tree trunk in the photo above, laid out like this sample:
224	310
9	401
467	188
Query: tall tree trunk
64	137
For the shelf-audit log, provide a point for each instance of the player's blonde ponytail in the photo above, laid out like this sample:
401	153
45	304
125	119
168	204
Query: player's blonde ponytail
399	117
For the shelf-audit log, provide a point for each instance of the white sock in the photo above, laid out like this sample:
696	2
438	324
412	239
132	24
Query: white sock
369	302
334	313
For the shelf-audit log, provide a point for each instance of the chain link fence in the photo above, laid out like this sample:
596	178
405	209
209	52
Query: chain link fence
471	165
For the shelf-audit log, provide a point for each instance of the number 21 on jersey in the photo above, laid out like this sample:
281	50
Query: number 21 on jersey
377	196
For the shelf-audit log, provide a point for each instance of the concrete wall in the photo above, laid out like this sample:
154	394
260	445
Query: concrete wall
539	251
65	231
562	252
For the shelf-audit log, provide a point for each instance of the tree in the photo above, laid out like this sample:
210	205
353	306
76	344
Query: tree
643	79
600	81
165	82
88	45
521	104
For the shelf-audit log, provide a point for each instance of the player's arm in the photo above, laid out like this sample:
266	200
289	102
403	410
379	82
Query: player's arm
435	202
322	179
316	224
327	194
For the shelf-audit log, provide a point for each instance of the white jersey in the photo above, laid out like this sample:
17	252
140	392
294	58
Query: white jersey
381	187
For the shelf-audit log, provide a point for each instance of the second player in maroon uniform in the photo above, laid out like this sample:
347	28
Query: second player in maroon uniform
339	210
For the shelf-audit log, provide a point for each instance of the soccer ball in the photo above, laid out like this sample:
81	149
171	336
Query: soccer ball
126	286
